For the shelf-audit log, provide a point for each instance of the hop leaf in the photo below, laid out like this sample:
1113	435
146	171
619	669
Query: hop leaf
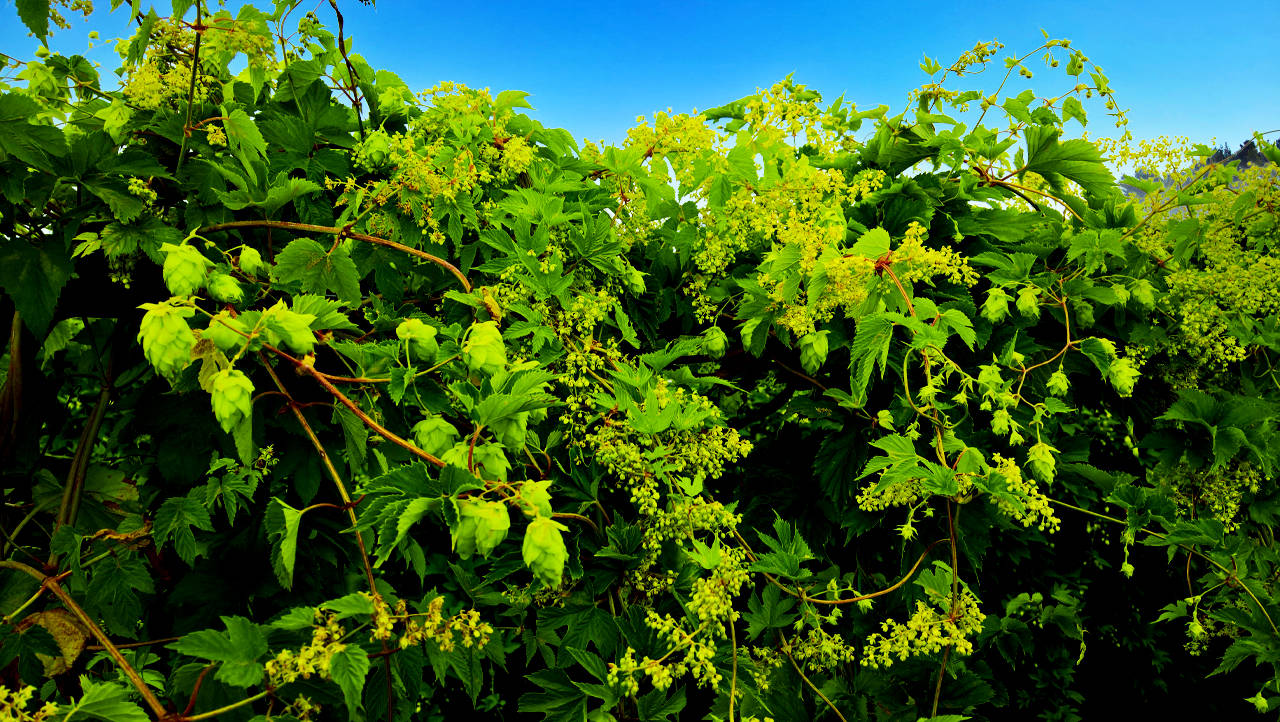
221	334
482	526
184	269
1029	301
232	395
483	349
1143	292
996	307
166	338
434	435
511	430
225	288
714	342
544	550
420	337
250	261
813	350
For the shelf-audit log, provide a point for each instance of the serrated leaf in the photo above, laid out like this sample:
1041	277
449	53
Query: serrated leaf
35	15
174	521
33	276
348	668
870	347
102	701
307	263
282	531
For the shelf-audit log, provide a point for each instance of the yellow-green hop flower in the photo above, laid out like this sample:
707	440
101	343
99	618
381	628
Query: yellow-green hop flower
1029	301
289	327
813	350
221	333
250	261
421	338
715	342
184	269
996	307
223	287
544	551
435	436
534	499
166	338
1058	384
483	349
482	525
511	430
232	395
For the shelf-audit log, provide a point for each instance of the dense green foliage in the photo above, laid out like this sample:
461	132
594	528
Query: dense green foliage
326	399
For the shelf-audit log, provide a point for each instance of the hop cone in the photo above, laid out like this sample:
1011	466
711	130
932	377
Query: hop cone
484	349
482	526
421	338
221	334
714	342
166	338
225	288
184	269
544	550
232	394
434	435
250	261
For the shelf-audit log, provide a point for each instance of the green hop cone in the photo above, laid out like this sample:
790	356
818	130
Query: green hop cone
483	349
221	334
1143	292
184	269
1029	301
224	288
511	430
534	499
715	342
544	551
288	327
482	526
250	261
374	149
420	337
996	307
491	462
232	394
1058	383
1123	375
166	338
435	436
813	350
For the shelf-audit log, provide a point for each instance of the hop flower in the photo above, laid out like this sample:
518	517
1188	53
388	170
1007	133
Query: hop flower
289	327
996	307
434	435
166	338
483	349
1058	384
232	395
714	342
534	499
184	269
813	350
225	288
482	525
544	550
420	337
221	333
250	261
512	429
1029	301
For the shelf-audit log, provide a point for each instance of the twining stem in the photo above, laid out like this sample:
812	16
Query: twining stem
213	713
345	232
382	431
51	583
733	679
191	88
812	686
1191	550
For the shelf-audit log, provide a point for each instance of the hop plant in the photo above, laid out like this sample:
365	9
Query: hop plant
511	430
482	525
166	338
232	396
434	435
185	269
223	287
544	550
250	261
715	342
420	337
996	307
289	327
222	332
483	349
534	499
813	350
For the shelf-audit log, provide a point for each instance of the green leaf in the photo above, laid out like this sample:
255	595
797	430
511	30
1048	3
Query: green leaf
873	244
1077	160
33	276
307	263
348	669
870	347
103	701
174	520
656	705
282	531
35	15
237	649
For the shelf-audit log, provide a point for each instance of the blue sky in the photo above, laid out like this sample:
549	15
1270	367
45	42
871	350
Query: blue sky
1180	68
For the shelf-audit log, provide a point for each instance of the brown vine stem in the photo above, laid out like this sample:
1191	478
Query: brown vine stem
337	231
51	583
213	714
733	679
351	71
307	369
191	89
346	502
